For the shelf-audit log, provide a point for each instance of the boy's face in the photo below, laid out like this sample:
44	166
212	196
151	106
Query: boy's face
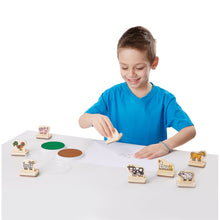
134	67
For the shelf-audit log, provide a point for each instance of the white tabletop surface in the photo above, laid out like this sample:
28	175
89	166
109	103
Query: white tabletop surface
90	189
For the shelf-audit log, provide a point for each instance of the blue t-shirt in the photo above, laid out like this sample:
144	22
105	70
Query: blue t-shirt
142	121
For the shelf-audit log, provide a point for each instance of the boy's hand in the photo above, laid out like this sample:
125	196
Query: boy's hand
152	151
103	125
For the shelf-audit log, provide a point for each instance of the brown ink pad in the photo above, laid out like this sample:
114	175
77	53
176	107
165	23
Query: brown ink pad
70	153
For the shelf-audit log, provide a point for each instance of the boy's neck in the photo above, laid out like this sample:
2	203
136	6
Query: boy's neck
140	92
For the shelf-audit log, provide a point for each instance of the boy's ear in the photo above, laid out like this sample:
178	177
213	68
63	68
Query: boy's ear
155	63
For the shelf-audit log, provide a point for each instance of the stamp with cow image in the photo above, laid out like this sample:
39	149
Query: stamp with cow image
136	174
186	179
197	159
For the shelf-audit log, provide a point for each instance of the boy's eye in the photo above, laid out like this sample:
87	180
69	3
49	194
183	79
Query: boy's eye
140	68
124	68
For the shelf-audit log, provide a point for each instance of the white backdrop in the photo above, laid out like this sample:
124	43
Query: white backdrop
58	56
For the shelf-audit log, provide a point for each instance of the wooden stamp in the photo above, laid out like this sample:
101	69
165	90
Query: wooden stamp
19	148
29	168
136	174
116	137
197	159
186	179
165	168
44	132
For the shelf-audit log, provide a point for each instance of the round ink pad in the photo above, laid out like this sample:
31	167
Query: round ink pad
70	153
53	145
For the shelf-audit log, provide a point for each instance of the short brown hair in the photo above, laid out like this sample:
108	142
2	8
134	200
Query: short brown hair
139	38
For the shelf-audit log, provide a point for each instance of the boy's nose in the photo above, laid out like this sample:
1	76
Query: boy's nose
131	72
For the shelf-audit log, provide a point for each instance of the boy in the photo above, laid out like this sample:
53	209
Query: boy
138	108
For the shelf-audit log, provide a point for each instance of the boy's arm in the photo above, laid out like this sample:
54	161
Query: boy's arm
100	122
158	150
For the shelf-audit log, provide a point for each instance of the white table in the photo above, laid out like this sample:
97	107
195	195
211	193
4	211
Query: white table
86	191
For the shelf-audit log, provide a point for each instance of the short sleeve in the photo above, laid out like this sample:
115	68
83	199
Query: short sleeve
176	117
99	107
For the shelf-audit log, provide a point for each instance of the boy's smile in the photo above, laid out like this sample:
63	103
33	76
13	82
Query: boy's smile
133	81
135	70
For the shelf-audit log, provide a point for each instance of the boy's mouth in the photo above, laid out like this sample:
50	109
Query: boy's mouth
133	81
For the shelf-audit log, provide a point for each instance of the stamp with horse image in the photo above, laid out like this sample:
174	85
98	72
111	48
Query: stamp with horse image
197	159
197	156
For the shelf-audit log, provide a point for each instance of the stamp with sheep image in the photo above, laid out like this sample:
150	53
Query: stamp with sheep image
186	179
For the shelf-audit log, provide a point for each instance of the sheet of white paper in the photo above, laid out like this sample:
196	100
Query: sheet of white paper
116	154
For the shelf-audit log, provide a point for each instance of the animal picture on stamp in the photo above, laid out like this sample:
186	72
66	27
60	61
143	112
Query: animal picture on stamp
136	174
186	179
165	168
197	159
29	168
44	132
19	148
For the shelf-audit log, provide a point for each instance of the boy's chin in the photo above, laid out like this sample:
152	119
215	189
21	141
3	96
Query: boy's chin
138	85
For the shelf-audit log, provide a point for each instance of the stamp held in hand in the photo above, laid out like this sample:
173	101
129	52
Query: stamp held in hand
116	137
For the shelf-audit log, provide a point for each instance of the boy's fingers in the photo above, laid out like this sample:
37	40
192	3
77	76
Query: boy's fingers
104	126
152	156
146	155
100	129
107	131
110	126
143	153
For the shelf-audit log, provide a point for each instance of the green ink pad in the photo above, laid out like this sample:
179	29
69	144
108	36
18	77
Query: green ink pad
53	145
